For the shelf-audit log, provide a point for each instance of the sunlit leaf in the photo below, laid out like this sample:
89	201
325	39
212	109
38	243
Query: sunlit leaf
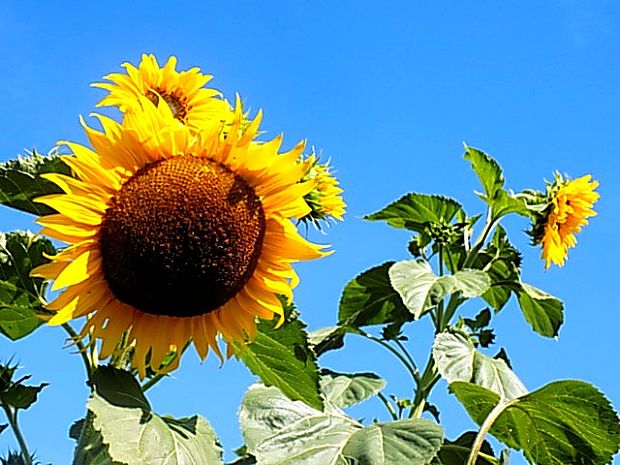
133	440
458	360
325	339
563	422
543	312
420	288
278	431
488	170
416	211
346	389
281	357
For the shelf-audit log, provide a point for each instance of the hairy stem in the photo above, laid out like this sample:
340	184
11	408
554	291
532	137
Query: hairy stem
11	416
388	406
484	429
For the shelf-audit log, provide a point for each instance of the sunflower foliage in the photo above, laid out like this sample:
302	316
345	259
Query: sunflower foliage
297	411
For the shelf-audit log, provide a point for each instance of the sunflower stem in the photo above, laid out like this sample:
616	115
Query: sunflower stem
388	406
73	335
412	370
11	416
153	381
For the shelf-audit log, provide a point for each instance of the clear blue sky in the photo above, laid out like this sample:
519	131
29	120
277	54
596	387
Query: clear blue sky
389	91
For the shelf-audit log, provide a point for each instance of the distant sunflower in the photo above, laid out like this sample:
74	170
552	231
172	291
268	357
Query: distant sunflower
325	200
175	236
569	204
184	92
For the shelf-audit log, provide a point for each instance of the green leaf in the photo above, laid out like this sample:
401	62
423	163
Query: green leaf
21	295
488	170
563	422
325	339
457	452
458	360
543	312
21	397
420	289
282	358
132	440
20	181
278	431
119	387
344	389
370	299
416	211
507	203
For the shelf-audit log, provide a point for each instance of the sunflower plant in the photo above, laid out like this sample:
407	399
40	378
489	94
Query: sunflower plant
177	228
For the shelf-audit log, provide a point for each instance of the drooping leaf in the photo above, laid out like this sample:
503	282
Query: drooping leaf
120	388
416	211
132	440
281	357
420	289
457	452
370	299
488	170
20	181
560	423
543	312
278	431
458	360
325	339
14	393
20	295
346	389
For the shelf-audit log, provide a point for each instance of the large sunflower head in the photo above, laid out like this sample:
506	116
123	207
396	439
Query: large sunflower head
325	200
184	92
569	204
175	236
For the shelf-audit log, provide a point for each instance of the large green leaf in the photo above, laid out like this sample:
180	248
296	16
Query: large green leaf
21	295
488	170
346	389
133	439
119	388
416	211
458	360
543	312
563	422
279	431
281	357
420	288
370	299
20	181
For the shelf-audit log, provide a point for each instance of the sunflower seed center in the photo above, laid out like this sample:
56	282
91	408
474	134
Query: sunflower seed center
182	237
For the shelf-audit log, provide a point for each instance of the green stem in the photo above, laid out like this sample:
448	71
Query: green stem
406	353
412	370
153	381
88	364
81	452
12	419
388	406
424	387
484	429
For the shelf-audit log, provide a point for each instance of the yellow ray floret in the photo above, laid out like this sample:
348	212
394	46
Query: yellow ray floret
175	236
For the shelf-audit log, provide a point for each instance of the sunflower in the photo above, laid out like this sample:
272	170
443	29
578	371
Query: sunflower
184	92
569	204
325	200
175	236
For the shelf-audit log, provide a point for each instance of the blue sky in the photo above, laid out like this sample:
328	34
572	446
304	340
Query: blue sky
389	91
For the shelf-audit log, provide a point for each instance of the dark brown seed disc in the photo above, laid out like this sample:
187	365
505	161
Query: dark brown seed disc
176	102
182	237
